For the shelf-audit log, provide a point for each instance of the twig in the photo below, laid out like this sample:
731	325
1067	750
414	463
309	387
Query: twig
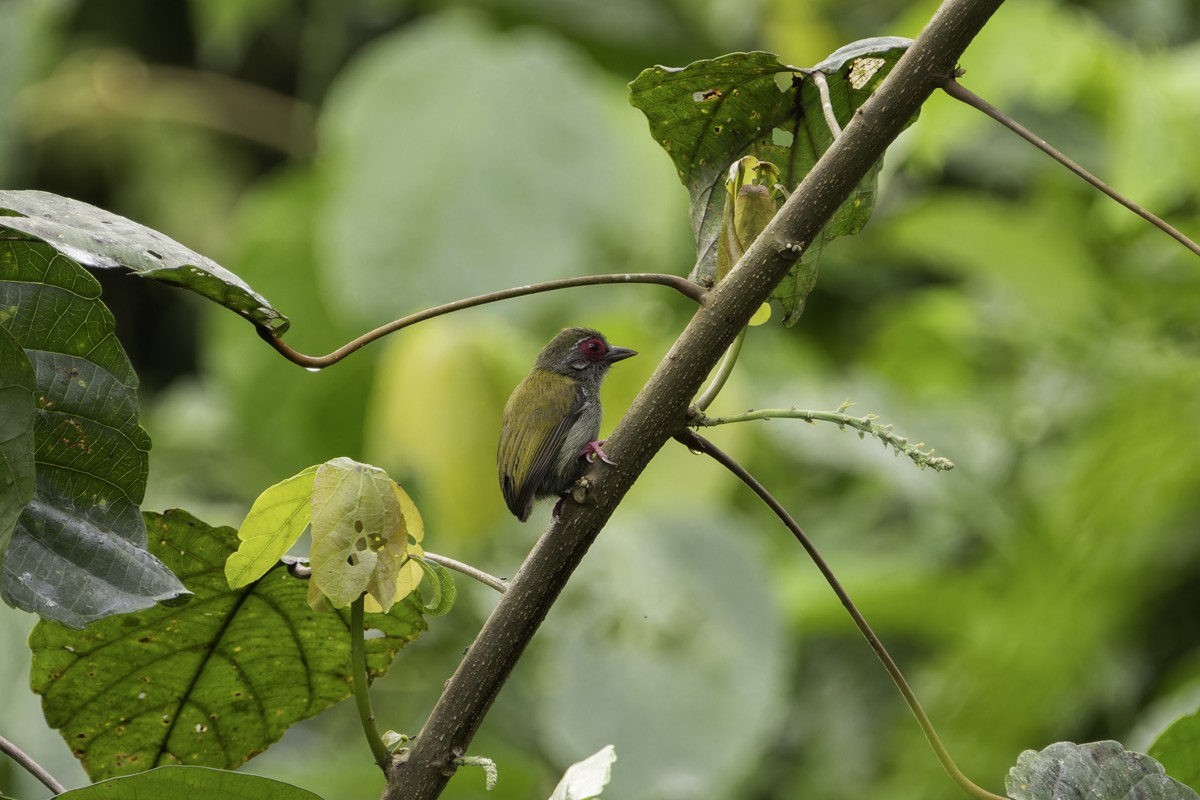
499	584
724	370
864	425
679	284
693	441
965	95
818	78
362	699
32	767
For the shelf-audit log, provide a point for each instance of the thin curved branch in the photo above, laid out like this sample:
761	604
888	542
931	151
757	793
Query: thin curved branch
499	584
29	765
679	284
697	443
961	93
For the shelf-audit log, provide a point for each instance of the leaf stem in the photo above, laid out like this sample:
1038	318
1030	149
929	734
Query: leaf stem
864	425
961	93
681	285
695	442
724	370
32	767
499	584
358	666
818	78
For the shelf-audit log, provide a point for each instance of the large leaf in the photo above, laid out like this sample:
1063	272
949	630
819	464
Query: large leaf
100	239
711	113
16	433
1095	771
212	683
194	783
1178	749
78	553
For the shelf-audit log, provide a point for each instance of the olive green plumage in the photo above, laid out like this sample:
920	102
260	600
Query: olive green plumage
552	418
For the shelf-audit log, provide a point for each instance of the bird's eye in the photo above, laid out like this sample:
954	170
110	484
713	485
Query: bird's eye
593	348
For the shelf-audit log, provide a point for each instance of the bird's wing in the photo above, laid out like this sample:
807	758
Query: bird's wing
547	424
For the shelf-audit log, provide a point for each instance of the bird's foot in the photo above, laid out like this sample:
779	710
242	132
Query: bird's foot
592	451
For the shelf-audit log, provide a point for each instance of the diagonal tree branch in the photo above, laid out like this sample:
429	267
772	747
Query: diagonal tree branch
661	408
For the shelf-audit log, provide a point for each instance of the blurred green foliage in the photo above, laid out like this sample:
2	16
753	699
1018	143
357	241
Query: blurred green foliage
357	161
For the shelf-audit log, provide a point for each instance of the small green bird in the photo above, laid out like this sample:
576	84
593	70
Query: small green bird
552	419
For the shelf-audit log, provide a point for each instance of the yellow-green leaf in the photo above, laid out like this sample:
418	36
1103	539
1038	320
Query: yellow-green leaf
359	533
752	191
274	523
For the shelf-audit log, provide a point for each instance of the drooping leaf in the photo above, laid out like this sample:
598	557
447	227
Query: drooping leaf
1095	771
193	783
100	239
586	779
275	521
1178	749
212	683
360	533
711	113
442	586
16	434
79	550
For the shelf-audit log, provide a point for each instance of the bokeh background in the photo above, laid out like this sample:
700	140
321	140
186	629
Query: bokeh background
356	161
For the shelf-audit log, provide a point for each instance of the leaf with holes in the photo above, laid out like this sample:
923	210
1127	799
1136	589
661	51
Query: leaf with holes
1095	771
710	113
212	683
78	553
100	239
194	783
362	523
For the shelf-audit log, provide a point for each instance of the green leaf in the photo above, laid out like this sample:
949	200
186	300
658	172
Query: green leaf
16	434
360	533
79	550
103	240
1095	771
711	113
275	521
194	783
442	585
1178	749
586	779
212	683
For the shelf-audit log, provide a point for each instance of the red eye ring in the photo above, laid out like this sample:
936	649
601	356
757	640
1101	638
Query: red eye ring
593	348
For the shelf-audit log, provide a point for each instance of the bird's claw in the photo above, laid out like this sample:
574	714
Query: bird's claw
592	451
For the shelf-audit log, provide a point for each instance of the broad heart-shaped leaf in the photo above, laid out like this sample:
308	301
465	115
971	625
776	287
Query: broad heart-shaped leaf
361	526
79	550
211	683
100	239
16	434
711	113
193	783
1178	749
1096	771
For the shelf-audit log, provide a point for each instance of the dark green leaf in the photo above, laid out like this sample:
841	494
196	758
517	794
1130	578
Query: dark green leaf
211	683
78	553
711	113
1178	749
99	239
16	434
1095	771
193	783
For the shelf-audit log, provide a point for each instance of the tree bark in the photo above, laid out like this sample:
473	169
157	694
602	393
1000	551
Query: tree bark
661	407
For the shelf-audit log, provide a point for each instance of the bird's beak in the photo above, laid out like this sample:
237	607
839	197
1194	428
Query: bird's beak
616	354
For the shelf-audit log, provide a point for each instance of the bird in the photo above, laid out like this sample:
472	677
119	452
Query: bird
552	419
